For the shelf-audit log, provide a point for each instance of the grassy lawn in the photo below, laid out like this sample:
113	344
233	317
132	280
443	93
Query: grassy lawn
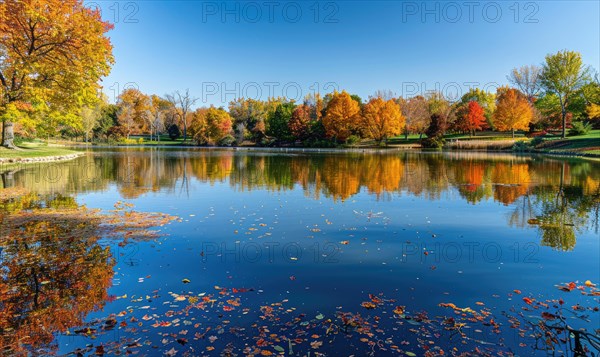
33	149
589	143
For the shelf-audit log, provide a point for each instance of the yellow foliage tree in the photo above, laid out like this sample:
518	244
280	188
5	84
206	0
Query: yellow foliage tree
52	52
513	111
343	114
382	119
593	111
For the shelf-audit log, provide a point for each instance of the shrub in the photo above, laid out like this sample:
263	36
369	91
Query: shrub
140	141
227	140
433	143
353	140
536	141
521	146
435	132
126	141
115	132
580	128
174	132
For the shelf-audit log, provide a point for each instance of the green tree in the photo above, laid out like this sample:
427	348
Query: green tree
278	122
108	118
564	74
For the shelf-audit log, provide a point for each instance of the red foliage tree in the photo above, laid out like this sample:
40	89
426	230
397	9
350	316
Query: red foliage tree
475	117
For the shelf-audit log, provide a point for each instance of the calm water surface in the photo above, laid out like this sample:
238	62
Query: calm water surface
277	250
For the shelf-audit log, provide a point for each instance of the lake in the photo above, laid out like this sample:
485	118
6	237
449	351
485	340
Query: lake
266	252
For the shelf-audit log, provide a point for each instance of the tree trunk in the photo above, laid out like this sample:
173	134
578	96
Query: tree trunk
513	133
8	135
563	113
564	124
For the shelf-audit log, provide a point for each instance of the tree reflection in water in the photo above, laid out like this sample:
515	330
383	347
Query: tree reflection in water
52	270
563	194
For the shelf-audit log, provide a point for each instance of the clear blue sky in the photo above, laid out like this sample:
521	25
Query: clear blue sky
221	50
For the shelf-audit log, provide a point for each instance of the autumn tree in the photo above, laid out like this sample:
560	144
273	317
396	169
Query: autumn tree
126	118
52	52
470	117
439	105
435	132
134	110
564	74
159	109
381	119
486	100
89	119
183	102
513	111
299	124
342	116
416	112
209	126
247	114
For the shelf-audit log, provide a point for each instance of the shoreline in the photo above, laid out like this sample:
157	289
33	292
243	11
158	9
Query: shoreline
37	159
365	149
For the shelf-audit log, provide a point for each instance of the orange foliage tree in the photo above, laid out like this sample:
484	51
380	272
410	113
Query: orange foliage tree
475	117
342	116
299	124
210	125
513	111
381	119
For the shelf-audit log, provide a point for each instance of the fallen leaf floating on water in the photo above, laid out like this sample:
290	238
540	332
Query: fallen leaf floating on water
186	281
399	310
277	323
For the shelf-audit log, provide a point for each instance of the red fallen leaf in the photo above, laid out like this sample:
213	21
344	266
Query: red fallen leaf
561	301
241	290
572	286
375	299
527	300
99	350
292	278
548	316
517	291
261	343
426	252
228	308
